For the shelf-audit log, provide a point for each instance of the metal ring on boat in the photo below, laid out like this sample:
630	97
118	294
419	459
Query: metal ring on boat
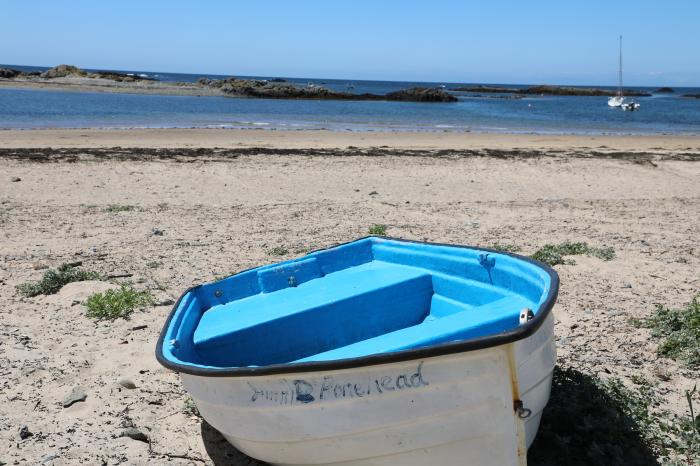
520	410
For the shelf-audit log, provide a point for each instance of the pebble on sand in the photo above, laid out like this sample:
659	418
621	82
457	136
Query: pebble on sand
76	395
48	458
126	383
134	433
24	433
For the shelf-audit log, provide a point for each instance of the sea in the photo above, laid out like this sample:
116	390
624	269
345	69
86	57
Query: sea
661	113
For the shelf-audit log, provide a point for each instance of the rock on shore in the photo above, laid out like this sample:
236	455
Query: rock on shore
70	71
62	71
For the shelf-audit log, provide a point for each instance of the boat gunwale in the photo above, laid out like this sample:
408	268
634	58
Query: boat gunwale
440	349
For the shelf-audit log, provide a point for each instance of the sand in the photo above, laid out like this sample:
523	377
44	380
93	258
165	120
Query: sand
223	211
236	138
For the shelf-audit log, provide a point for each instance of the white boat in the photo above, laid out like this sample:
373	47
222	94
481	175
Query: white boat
616	101
377	352
619	99
630	106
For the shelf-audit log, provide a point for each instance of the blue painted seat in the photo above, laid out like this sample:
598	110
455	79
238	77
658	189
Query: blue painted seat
379	296
492	319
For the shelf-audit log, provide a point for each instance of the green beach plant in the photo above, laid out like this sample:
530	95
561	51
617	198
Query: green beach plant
118	303
189	408
278	251
114	208
505	247
377	229
553	254
54	279
678	330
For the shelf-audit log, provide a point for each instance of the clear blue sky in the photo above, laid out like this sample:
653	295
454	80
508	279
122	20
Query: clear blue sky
501	41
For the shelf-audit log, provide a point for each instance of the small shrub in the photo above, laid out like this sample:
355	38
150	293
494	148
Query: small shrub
679	331
278	251
119	303
505	247
189	407
553	254
606	254
113	208
377	229
53	280
153	264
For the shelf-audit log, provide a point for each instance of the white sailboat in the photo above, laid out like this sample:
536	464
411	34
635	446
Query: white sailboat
619	99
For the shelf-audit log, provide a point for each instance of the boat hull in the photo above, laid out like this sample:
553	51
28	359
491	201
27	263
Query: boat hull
616	101
450	409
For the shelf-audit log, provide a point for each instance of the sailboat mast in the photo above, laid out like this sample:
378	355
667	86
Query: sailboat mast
619	89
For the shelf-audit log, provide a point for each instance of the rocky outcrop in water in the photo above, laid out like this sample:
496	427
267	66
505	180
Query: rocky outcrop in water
421	94
491	89
692	96
579	91
664	90
70	71
62	71
270	90
275	90
551	90
9	73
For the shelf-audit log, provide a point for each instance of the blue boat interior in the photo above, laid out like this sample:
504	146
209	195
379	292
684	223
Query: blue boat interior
371	296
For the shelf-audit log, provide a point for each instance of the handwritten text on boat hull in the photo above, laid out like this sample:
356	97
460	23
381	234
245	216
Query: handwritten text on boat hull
312	390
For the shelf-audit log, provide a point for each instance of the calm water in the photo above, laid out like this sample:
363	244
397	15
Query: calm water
662	113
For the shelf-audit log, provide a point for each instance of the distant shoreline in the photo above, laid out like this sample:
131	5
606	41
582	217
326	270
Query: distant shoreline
193	89
147	88
69	76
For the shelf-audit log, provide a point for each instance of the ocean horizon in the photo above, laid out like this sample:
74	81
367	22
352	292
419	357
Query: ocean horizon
661	113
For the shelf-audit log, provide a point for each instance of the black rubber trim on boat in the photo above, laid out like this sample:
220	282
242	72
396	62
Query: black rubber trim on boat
520	332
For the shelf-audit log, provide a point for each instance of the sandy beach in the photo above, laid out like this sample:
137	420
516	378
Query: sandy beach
238	138
205	203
